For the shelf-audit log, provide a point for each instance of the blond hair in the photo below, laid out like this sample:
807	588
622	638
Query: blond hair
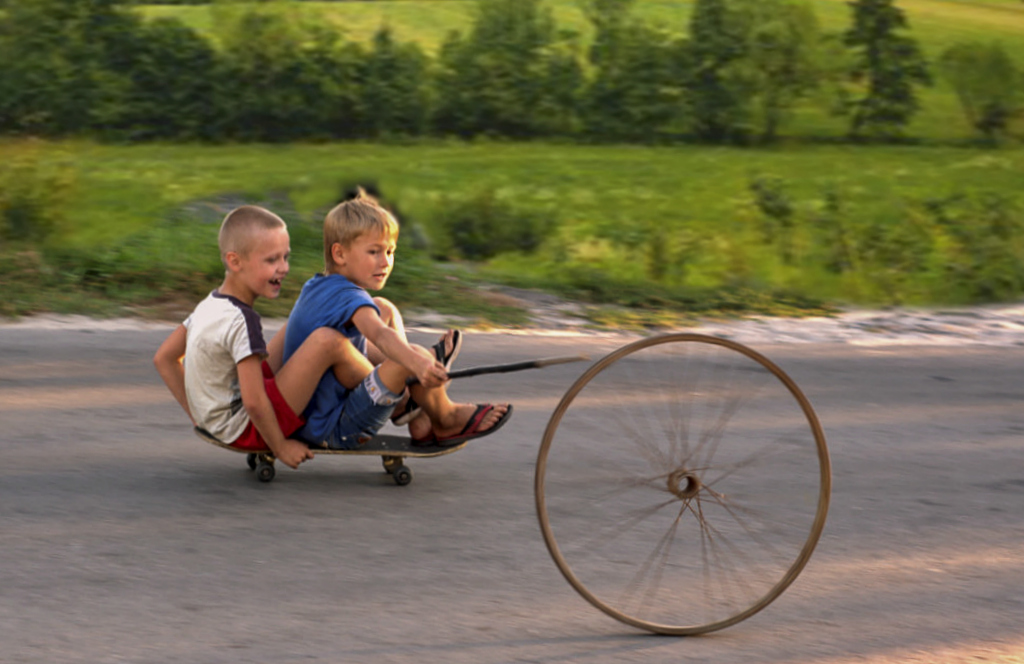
241	227
350	219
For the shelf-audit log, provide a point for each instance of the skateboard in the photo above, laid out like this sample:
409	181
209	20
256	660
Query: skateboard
391	449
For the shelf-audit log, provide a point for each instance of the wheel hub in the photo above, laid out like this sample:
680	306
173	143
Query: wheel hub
683	484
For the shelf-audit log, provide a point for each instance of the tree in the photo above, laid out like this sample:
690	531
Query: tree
885	68
168	81
395	87
782	56
56	56
498	78
717	89
287	79
634	92
987	83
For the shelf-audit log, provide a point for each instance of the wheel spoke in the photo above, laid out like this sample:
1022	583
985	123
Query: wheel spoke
674	483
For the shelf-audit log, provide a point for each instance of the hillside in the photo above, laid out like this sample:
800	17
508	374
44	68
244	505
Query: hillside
936	24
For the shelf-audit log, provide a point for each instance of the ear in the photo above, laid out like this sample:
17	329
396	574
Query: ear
338	253
233	260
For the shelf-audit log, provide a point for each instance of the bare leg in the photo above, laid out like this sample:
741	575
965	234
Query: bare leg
440	414
445	417
325	349
275	349
392	317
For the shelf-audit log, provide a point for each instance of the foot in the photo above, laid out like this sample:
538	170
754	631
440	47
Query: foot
406	410
447	348
467	421
420	428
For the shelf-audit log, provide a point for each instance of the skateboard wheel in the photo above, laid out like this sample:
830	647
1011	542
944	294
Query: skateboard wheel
390	463
251	460
402	475
265	472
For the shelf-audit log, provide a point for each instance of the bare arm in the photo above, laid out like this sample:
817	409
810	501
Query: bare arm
261	412
168	364
275	350
429	371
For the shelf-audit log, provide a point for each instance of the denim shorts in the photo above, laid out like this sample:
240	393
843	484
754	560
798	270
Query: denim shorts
361	418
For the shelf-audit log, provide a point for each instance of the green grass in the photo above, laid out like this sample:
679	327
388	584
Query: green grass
122	189
607	201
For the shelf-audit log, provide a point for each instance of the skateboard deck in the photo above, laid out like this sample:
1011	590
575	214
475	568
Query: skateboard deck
390	448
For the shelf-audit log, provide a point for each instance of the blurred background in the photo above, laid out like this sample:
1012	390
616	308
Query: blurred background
655	160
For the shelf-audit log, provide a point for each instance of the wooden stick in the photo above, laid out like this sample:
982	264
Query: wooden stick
512	366
516	366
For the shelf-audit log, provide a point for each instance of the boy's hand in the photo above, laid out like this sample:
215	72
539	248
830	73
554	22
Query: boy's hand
293	452
430	372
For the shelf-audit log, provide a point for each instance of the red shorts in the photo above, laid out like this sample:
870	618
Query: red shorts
251	440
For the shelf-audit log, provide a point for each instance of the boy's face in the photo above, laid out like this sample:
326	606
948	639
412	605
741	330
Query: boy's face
367	262
262	270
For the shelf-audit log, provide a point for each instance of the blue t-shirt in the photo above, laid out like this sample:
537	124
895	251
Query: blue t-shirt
325	301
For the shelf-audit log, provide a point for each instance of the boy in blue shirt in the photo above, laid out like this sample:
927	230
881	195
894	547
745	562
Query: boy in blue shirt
359	246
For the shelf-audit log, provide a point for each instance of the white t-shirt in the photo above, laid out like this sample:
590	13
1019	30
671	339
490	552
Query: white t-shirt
221	332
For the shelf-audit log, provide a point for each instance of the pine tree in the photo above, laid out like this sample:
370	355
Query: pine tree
717	93
885	68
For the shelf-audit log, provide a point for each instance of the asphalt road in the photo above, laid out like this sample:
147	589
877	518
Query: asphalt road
127	539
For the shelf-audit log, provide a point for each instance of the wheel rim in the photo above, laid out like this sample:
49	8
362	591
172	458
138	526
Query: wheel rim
682	483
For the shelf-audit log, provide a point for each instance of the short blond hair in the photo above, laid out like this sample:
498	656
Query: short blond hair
241	227
352	218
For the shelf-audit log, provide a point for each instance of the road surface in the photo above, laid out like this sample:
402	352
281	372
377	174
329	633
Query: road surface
127	539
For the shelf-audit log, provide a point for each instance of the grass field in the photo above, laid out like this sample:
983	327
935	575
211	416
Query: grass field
123	188
607	203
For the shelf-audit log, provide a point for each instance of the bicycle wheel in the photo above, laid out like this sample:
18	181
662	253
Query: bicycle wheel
682	483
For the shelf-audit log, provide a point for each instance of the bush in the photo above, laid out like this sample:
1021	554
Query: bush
486	225
987	83
395	87
34	194
60	59
778	215
158	94
980	247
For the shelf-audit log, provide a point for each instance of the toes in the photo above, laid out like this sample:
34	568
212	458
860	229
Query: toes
493	416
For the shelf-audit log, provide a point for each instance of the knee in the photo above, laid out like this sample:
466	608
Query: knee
423	351
326	335
388	311
329	339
